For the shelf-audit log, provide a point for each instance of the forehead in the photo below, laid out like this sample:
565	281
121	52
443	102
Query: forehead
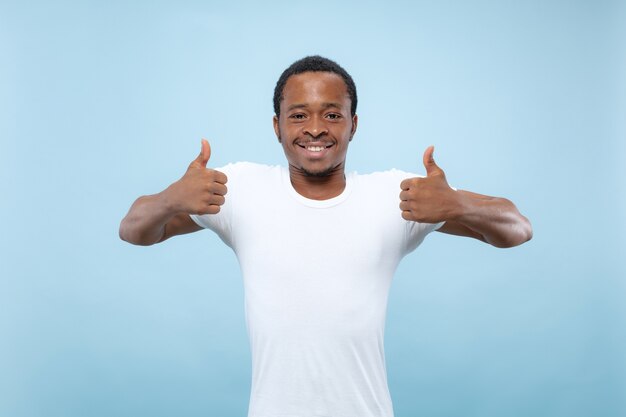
310	87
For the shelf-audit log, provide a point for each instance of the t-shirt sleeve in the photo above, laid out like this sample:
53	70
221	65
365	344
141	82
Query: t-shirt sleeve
416	232
221	223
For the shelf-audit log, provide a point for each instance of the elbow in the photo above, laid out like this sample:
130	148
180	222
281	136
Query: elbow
521	233
133	240
127	235
124	234
525	230
529	232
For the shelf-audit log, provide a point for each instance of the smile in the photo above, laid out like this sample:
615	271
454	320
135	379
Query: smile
315	148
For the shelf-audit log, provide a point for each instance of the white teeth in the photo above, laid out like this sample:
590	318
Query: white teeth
315	148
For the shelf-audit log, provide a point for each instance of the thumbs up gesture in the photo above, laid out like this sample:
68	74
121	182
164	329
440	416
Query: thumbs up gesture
201	190
428	199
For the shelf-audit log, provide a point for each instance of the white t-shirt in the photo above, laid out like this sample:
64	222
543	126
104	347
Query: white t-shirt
316	279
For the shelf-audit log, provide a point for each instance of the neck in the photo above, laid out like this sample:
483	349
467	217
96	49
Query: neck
318	187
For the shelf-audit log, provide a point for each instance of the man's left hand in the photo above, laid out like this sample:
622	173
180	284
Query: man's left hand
429	199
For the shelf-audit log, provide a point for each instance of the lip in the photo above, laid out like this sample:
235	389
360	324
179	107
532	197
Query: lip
315	149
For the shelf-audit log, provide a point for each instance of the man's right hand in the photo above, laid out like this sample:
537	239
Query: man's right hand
201	190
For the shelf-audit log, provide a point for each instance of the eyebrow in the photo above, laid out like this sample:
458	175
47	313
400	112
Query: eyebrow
304	106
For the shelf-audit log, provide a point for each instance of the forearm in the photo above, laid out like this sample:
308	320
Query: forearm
496	220
145	222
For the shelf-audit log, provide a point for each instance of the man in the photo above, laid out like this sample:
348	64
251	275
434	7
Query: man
318	247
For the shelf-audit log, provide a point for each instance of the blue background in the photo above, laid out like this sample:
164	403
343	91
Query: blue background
101	102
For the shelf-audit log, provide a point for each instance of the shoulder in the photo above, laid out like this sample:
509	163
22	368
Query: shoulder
383	184
385	178
249	171
244	166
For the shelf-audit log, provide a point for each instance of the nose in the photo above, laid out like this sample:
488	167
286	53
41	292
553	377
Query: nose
315	127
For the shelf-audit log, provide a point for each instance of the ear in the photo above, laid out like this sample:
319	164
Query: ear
355	121
276	129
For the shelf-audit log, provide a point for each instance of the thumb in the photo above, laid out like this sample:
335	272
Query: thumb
429	161
205	153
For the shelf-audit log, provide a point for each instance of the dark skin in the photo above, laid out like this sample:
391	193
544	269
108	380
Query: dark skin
315	127
491	219
155	218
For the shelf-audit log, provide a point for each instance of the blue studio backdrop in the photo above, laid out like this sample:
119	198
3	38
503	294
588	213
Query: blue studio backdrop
101	102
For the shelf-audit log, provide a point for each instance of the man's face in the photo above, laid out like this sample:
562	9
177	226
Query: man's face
315	125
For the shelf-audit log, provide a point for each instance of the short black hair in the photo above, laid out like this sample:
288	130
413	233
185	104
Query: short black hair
314	63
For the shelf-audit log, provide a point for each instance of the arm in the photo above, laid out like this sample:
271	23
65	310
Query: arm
150	220
155	218
493	220
490	219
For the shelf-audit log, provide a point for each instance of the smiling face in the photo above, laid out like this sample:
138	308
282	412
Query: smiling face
315	125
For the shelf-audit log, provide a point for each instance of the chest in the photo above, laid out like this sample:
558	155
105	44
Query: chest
354	235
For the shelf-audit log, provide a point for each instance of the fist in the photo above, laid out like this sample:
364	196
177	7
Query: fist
428	199
201	190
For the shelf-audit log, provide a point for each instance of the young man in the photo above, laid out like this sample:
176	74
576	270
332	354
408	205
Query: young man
318	246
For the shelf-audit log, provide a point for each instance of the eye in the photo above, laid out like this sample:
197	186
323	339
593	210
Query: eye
297	116
333	116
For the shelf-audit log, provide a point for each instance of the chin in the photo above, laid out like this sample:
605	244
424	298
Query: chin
317	174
